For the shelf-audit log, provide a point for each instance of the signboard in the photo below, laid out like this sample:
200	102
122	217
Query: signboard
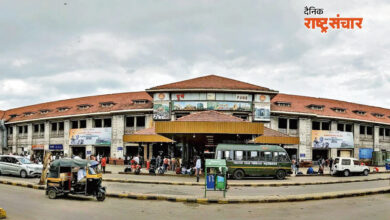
162	96
90	136
38	147
365	153
161	111
262	98
120	148
331	139
219	106
262	112
242	97
56	147
302	155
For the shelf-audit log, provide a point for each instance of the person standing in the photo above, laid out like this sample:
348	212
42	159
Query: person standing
166	163
198	167
103	164
293	165
296	167
330	164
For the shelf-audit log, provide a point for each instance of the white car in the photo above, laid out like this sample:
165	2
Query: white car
19	166
346	166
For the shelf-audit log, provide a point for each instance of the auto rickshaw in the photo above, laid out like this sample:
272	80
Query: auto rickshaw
63	179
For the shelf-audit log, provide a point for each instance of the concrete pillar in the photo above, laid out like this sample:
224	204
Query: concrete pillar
118	130
89	122
274	123
333	127
88	151
14	138
29	136
356	139
66	138
376	137
46	135
305	139
148	120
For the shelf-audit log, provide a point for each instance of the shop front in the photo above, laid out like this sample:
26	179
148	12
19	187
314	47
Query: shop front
38	151
56	150
79	151
326	142
104	151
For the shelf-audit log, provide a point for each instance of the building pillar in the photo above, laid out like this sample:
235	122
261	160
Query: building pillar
118	130
356	139
46	136
89	123
29	138
14	139
67	152
305	146
376	138
274	123
333	151
88	151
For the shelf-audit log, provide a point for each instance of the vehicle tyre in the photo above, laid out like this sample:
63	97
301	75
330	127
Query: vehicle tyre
238	174
101	196
365	172
52	194
23	174
346	173
280	174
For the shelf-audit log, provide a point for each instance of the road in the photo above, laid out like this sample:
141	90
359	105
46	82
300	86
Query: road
24	203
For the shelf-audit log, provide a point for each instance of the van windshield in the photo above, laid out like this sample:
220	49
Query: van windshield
336	161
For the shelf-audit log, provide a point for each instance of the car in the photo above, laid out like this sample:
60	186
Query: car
347	166
19	166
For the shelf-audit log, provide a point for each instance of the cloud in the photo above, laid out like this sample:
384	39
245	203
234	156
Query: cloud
51	51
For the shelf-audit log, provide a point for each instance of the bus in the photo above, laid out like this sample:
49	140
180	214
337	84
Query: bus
254	160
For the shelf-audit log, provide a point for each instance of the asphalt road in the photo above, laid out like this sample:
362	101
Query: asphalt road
23	203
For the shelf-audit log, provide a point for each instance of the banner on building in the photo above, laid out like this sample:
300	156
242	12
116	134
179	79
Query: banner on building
262	112
56	147
218	106
38	147
161	111
331	139
90	136
365	153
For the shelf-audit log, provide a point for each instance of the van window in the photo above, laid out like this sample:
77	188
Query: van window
283	157
253	155
275	157
345	162
228	155
239	155
336	161
267	156
356	162
219	154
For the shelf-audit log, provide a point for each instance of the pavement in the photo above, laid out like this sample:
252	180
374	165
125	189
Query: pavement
25	203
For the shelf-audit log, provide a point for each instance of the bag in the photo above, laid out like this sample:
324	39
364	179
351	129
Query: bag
127	170
178	170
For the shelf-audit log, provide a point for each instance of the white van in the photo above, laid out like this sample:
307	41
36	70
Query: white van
347	165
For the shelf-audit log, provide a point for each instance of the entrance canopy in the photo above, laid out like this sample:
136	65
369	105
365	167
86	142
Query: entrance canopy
271	136
148	135
209	122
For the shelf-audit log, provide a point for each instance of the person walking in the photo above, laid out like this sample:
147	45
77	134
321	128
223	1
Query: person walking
293	165
103	164
198	167
296	167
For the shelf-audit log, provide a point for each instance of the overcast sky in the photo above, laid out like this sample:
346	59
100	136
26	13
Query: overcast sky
51	50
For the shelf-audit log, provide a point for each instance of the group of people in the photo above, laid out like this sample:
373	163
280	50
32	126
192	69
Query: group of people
322	163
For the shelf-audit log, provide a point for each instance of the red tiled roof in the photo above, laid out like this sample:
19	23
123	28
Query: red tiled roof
273	133
211	82
299	105
147	131
123	101
210	116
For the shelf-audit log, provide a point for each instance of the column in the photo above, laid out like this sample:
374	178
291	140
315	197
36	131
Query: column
66	138
118	130
274	123
333	127
46	135
305	147
29	137
376	137
14	138
356	139
88	148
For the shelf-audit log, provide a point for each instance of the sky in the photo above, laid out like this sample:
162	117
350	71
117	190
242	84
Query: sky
52	50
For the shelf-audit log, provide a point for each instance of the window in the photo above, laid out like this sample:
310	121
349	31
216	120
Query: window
340	127
339	110
316	125
282	123
326	126
82	107
293	124
107	123
54	126
20	129
359	112
25	129
267	156
75	124
316	107
356	163
36	128
98	123
378	115
107	104
345	162
348	127
283	104
253	155
28	113
238	155
243	117
44	111
129	121
369	130
362	129
83	123
61	126
141	121
228	155
63	109
336	161
283	156
275	157
42	127
141	101
387	132
10	131
381	131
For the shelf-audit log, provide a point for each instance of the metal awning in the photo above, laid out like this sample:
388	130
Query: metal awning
148	135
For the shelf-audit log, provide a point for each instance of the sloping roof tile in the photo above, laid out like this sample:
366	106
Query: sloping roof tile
211	82
299	105
210	116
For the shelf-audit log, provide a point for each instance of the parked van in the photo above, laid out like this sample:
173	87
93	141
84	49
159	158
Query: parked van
347	166
254	160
